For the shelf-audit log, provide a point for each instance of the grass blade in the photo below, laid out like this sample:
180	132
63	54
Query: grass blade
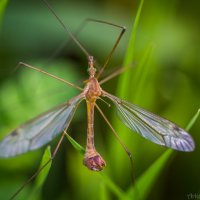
141	73
42	175
147	180
193	120
131	46
129	56
112	186
123	91
3	4
75	144
104	192
106	180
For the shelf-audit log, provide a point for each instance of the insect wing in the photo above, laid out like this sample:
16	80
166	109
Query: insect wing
39	131
152	127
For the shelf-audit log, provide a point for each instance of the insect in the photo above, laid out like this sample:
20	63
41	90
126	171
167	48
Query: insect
44	128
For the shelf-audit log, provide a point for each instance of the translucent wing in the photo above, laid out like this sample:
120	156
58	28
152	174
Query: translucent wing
152	127
39	131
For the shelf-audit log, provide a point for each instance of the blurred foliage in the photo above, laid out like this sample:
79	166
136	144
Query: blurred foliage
3	4
165	79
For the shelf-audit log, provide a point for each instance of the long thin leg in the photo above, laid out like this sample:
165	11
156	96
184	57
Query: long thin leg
40	169
114	47
67	29
80	45
115	133
51	75
66	42
69	40
133	179
114	74
80	28
120	141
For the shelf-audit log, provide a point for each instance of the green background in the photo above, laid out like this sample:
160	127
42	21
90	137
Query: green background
164	53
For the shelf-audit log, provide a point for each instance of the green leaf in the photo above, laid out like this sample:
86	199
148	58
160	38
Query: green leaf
142	72
112	186
104	195
3	4
147	180
129	57
76	145
42	175
131	86
131	45
193	120
106	180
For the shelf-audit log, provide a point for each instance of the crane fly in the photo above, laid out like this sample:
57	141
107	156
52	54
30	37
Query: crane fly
44	128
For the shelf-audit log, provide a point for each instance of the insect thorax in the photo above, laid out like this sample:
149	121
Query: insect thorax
92	89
